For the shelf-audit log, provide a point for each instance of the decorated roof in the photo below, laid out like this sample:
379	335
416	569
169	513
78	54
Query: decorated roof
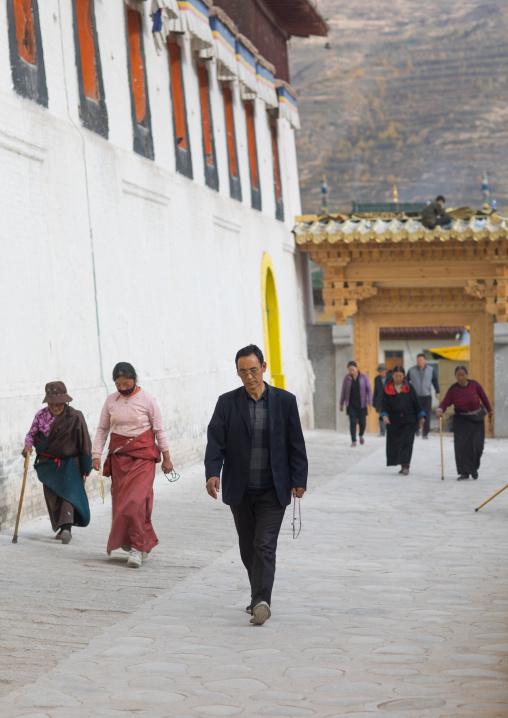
397	228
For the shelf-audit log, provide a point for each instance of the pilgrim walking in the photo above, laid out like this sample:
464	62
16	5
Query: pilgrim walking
61	440
134	419
255	440
357	396
382	378
401	412
471	405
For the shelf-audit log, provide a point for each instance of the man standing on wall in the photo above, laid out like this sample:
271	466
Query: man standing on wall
423	377
255	439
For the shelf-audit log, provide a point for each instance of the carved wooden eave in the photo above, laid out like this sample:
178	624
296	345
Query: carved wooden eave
359	258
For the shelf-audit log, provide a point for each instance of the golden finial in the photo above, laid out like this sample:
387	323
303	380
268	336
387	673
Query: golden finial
395	194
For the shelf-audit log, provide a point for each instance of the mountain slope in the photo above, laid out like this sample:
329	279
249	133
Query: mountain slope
409	92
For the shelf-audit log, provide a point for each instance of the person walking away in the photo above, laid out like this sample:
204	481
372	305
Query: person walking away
356	394
471	404
434	214
255	441
400	411
64	459
423	377
383	376
134	419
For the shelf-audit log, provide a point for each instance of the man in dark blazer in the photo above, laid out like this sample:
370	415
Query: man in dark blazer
255	439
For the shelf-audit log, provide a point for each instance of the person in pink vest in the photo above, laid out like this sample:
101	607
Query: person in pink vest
356	395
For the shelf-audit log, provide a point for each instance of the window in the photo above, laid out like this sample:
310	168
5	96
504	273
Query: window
25	45
235	188
211	175
91	89
143	142
253	157
182	142
279	206
393	358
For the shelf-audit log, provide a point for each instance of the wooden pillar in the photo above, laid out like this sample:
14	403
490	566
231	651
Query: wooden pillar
366	354
481	365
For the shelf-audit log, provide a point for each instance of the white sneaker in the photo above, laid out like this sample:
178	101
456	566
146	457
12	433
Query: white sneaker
260	613
134	559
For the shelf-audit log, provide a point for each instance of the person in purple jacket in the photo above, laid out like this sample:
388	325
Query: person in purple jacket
357	396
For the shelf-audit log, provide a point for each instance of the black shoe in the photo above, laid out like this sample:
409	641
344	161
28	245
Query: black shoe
462	477
474	474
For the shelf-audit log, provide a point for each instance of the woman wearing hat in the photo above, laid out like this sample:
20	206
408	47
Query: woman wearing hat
401	412
64	459
134	419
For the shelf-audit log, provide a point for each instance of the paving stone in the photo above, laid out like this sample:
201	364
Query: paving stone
158	667
219	710
48	698
412	704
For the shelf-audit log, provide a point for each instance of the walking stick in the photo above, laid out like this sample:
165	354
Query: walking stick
441	437
27	461
492	497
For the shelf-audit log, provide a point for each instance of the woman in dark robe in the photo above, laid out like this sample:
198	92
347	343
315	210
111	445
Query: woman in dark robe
471	404
400	411
64	459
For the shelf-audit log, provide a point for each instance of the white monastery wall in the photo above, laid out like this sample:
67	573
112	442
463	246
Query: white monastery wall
108	256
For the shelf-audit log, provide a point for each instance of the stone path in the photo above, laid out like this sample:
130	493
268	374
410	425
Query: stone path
392	602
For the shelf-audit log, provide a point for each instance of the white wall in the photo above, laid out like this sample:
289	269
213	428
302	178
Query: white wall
177	266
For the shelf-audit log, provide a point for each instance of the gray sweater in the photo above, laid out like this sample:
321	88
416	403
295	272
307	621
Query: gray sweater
423	380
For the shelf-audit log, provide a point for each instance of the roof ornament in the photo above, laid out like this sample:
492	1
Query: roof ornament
324	196
485	191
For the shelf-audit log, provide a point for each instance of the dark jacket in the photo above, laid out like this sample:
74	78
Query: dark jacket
229	444
402	408
431	212
379	390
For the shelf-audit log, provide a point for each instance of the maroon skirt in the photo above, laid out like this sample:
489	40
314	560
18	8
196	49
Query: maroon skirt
131	465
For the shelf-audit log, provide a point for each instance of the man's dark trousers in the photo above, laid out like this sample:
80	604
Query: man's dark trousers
426	404
258	519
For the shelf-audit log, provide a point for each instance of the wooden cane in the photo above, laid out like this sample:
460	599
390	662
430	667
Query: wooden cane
27	462
441	437
492	497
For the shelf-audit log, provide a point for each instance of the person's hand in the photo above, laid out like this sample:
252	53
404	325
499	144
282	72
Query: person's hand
26	451
212	486
341	407
422	422
491	414
299	492
439	413
96	464
167	466
437	396
386	420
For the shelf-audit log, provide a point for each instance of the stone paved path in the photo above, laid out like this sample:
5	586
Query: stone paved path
392	602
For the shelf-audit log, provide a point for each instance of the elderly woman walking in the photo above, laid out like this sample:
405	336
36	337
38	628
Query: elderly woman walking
60	436
471	405
400	411
134	419
357	396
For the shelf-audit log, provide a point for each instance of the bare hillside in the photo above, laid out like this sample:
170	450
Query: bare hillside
410	91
